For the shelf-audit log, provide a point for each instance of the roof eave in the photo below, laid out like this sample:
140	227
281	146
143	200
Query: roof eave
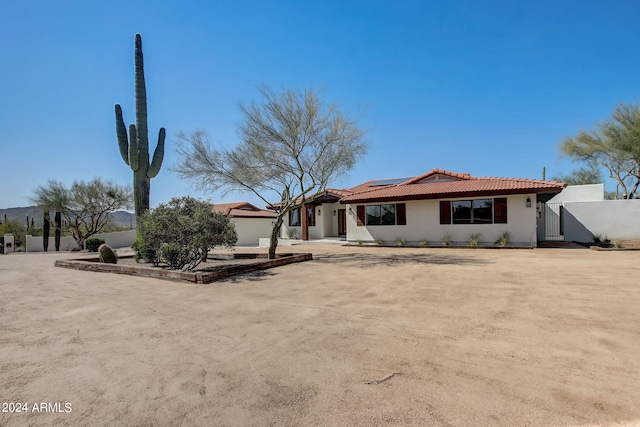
455	195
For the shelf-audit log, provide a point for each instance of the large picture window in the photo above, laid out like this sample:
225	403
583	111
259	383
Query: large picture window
296	221
476	211
387	214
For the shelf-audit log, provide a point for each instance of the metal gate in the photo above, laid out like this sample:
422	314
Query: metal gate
553	221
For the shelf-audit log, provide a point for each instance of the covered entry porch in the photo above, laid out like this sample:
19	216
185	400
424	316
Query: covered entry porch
320	217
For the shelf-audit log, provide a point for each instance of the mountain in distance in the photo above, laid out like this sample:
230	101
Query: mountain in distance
121	218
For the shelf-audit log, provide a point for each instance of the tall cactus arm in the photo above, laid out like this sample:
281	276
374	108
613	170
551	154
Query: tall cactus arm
121	131
141	100
158	156
134	155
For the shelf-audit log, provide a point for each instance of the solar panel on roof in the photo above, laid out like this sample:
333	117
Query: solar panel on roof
392	181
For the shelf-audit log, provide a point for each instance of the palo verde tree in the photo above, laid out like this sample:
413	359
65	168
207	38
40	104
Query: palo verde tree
85	206
290	146
134	148
615	145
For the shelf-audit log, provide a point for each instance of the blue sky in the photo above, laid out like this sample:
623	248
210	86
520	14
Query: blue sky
489	88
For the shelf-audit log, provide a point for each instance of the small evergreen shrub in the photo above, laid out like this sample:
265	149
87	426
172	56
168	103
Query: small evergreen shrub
107	255
93	244
182	232
173	255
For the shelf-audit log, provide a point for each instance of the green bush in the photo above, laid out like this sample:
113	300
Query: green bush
173	255
93	243
187	228
143	252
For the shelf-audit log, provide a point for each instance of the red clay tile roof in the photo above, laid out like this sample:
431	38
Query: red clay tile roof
463	185
243	210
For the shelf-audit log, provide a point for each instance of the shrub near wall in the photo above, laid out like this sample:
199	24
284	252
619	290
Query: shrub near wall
92	244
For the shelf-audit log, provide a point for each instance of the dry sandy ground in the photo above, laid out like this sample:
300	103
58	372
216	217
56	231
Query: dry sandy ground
359	336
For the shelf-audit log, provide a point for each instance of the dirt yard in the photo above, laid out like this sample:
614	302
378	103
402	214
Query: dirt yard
358	337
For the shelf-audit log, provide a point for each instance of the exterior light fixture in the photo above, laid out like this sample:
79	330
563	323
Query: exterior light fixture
528	202
319	212
334	212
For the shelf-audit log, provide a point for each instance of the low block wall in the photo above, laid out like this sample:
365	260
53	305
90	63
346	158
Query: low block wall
119	239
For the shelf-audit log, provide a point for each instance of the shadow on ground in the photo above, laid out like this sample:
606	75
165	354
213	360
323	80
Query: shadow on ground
367	260
253	276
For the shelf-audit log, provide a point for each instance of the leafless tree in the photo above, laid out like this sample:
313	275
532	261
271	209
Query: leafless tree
85	206
290	147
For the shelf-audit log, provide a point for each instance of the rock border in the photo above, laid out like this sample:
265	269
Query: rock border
198	277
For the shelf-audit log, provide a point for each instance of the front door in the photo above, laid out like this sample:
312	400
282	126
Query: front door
342	222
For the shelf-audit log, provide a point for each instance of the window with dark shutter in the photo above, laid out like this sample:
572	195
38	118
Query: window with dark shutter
500	210
401	212
360	214
445	212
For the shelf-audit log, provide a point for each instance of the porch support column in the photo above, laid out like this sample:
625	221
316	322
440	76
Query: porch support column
304	222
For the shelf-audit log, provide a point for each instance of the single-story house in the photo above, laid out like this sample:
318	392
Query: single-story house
251	222
436	206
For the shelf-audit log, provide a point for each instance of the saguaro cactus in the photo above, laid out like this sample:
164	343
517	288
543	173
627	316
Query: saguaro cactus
58	222
46	226
134	148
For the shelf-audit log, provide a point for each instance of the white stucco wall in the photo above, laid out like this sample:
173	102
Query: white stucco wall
119	239
423	223
579	193
614	219
250	230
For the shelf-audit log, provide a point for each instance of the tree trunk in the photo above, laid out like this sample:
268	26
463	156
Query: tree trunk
274	236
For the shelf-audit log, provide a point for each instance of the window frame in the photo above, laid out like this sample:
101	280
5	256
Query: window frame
399	214
447	212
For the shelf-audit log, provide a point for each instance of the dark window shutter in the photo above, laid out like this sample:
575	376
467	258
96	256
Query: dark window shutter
360	212
401	214
445	212
290	218
500	210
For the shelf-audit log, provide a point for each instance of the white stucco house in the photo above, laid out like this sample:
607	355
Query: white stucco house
436	206
251	222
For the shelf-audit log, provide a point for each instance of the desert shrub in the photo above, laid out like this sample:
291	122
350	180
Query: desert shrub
424	243
173	255
474	240
107	255
618	244
187	228
446	240
93	243
504	239
142	252
18	230
400	241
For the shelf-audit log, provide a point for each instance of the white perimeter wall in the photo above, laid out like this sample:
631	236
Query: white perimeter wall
119	239
579	193
614	219
250	230
423	223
